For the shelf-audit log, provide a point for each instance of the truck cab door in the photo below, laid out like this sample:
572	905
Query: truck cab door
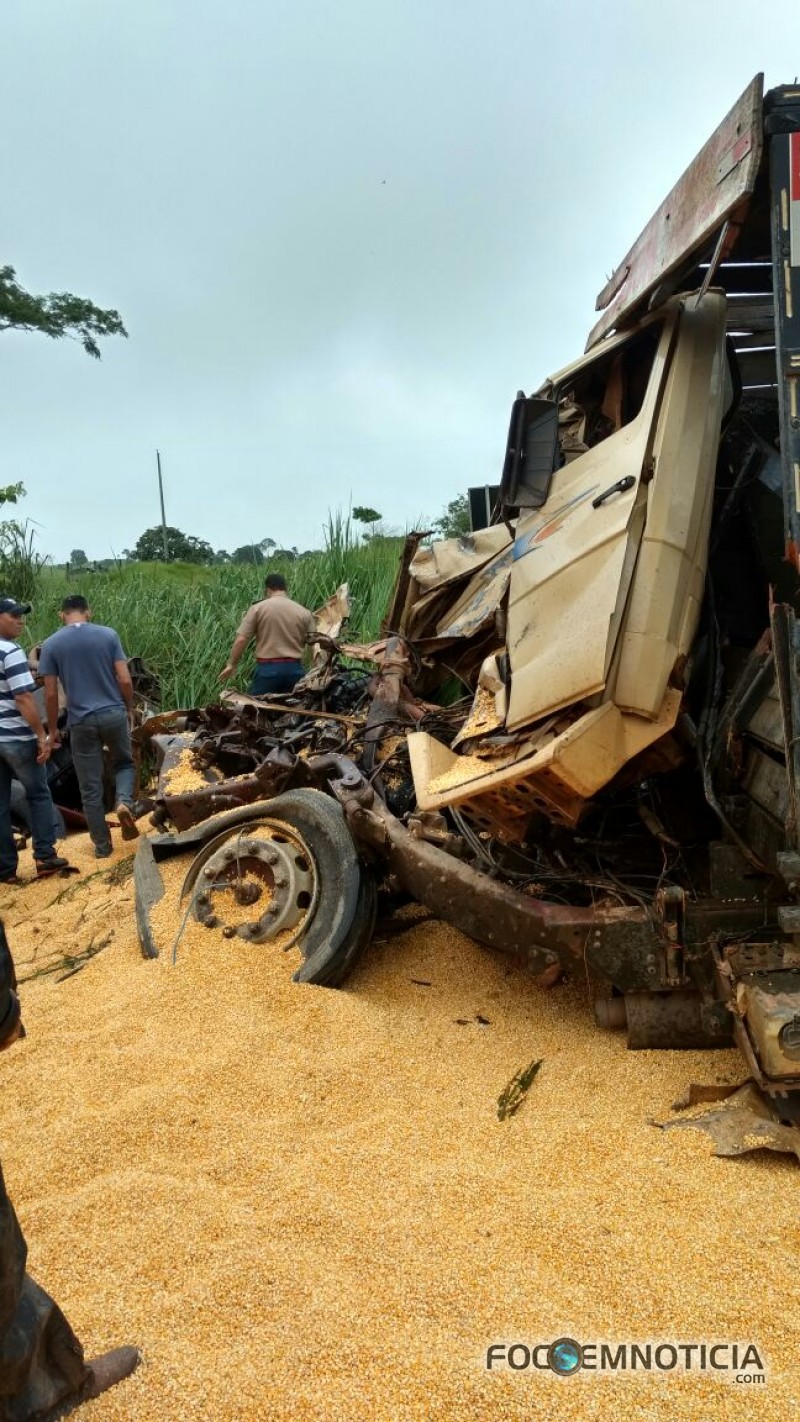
574	557
607	577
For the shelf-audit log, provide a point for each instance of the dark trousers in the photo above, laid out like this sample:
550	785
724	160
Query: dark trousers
272	677
41	1360
18	761
86	739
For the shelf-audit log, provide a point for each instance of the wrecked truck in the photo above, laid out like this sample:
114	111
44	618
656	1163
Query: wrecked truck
578	738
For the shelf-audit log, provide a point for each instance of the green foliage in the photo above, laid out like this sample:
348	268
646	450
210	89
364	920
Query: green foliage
513	1095
253	553
77	558
362	514
20	564
182	617
454	522
181	547
59	314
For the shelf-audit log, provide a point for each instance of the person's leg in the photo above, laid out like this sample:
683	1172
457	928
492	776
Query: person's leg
87	757
41	1360
8	849
116	736
261	681
291	673
20	813
115	733
274	678
21	758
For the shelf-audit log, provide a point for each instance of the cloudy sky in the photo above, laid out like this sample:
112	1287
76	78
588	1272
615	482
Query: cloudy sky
341	237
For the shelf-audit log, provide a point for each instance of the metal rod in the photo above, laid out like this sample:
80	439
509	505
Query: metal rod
163	516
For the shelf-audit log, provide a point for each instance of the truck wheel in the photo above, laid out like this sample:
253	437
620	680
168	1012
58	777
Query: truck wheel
289	875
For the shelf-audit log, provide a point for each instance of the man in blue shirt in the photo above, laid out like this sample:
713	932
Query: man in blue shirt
89	662
24	751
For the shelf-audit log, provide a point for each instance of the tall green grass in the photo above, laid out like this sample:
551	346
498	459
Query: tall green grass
182	619
21	564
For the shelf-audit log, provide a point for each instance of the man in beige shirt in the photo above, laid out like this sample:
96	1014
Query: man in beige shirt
282	630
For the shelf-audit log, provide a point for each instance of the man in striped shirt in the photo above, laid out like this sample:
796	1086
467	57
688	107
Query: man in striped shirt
24	750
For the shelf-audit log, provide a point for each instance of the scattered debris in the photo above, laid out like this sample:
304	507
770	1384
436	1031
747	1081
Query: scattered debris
577	738
697	1093
742	1122
71	963
513	1095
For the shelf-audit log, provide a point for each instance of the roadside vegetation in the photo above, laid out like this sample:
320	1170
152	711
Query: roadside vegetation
181	618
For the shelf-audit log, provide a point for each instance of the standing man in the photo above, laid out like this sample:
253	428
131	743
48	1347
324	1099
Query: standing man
24	751
91	665
282	630
41	1361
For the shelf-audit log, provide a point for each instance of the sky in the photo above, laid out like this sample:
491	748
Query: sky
341	237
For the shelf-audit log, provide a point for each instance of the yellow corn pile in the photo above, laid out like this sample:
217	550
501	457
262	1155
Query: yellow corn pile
300	1203
185	776
466	767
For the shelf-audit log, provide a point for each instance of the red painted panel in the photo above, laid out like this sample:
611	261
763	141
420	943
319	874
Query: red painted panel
712	188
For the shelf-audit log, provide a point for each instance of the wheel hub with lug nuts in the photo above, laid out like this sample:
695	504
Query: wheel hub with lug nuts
272	872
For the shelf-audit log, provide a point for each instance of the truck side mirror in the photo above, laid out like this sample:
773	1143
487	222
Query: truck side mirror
531	453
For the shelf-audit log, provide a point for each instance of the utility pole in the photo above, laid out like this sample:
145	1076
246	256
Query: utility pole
163	516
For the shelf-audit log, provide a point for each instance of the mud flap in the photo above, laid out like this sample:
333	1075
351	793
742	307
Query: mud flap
148	888
744	1122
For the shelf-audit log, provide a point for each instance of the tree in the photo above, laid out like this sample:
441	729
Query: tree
59	314
454	522
77	558
11	493
181	547
253	552
365	515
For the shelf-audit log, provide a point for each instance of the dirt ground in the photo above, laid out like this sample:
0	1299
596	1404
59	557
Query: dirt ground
300	1203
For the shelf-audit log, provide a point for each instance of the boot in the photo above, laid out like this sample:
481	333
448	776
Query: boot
111	1368
127	822
104	1372
56	864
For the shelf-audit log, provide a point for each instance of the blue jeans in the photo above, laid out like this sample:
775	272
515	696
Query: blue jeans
18	761
87	738
272	677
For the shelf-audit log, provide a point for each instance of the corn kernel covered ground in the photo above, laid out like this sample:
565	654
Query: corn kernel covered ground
300	1203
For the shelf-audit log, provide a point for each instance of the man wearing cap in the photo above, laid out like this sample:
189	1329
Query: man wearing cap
41	1361
282	630
24	750
89	662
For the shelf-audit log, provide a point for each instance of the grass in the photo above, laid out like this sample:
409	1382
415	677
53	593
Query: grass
21	566
182	619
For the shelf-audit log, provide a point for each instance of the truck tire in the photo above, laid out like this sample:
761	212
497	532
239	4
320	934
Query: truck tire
341	915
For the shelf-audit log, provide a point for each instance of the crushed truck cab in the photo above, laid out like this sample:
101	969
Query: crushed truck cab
617	787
